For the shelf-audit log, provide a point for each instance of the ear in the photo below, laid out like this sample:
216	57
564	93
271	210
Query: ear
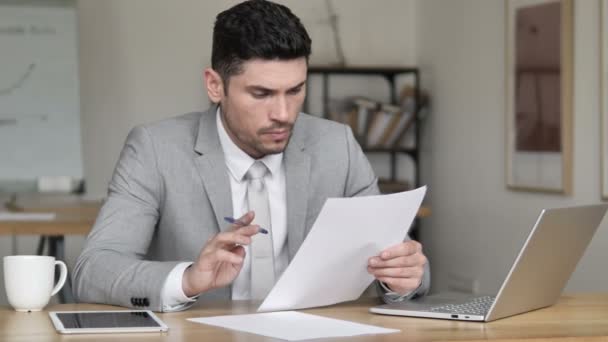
215	85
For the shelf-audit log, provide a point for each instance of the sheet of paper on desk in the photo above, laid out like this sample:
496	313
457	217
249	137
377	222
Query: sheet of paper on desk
291	325
331	265
10	216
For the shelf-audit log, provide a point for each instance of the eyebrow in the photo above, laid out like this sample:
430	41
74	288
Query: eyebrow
261	88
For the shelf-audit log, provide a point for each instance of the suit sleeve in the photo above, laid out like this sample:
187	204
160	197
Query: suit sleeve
111	268
362	181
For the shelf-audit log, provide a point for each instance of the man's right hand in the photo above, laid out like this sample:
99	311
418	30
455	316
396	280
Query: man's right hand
221	259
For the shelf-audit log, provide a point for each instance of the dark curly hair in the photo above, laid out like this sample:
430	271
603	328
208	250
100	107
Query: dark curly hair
256	29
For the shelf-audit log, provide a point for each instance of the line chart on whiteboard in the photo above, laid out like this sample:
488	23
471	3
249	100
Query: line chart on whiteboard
18	83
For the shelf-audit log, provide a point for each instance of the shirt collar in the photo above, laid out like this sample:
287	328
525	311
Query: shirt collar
239	162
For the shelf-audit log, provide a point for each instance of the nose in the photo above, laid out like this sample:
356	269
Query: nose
280	110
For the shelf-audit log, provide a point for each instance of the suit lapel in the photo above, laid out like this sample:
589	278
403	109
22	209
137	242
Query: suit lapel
297	178
211	167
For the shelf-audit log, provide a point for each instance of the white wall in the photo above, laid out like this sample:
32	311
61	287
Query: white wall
477	224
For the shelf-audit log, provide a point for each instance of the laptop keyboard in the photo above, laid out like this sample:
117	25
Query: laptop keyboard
477	306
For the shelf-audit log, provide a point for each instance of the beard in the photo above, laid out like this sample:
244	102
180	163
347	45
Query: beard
260	143
274	147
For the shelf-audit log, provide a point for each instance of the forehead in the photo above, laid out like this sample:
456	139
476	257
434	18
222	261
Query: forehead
272	74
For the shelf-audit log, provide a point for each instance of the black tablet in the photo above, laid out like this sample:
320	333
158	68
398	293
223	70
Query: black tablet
92	322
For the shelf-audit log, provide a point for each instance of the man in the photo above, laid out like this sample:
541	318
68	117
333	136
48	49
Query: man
252	156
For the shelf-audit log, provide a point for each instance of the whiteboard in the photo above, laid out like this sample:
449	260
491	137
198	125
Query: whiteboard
39	91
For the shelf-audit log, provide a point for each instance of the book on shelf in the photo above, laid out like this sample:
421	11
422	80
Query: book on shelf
378	125
405	136
388	126
397	116
404	126
365	111
375	124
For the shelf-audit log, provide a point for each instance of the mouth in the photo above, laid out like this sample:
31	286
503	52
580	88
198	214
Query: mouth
278	135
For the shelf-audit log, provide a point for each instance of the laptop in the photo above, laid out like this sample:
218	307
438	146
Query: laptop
536	278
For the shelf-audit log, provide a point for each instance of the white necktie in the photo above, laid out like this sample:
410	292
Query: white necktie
262	256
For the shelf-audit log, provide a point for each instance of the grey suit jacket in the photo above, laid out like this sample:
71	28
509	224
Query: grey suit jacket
170	191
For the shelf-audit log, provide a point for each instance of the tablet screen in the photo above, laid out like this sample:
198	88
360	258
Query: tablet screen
75	320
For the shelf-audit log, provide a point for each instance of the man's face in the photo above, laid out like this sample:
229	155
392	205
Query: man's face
262	104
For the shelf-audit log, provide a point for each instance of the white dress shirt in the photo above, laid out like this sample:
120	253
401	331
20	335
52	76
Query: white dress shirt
238	163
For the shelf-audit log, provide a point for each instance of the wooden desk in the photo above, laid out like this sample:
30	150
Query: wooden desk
581	317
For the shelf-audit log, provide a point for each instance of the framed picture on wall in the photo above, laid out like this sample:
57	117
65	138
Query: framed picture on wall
539	48
604	94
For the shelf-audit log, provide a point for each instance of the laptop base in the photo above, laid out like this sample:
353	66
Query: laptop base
423	307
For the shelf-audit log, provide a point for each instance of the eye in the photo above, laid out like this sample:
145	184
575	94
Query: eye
260	94
295	91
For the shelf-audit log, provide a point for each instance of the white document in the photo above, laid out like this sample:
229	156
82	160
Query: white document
291	325
10	216
331	265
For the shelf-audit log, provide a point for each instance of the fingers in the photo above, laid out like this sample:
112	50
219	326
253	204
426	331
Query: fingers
402	249
246	219
417	259
397	272
401	285
239	236
243	222
222	255
408	267
400	267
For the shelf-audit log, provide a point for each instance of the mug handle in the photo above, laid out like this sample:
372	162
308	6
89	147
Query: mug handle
62	277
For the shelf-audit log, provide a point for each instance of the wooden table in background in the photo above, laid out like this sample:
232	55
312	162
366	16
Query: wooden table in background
582	317
74	216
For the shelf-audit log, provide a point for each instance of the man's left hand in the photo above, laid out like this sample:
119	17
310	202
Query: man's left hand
400	267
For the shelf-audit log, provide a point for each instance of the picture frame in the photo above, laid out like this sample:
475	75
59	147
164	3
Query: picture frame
604	95
539	97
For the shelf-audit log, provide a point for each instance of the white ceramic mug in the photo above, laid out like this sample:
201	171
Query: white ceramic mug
29	279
